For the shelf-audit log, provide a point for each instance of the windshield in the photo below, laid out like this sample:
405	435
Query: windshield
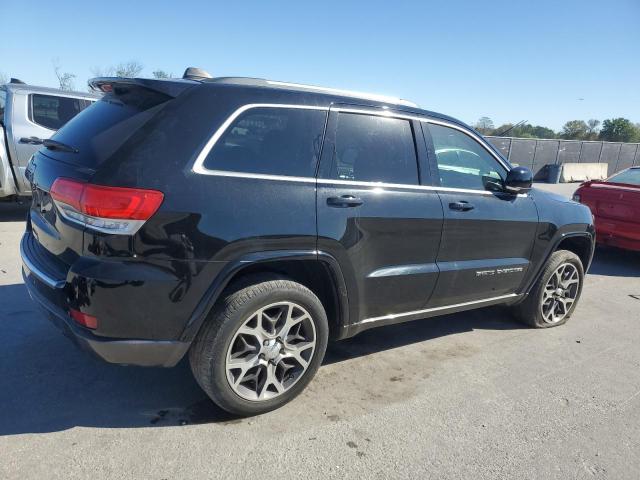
630	177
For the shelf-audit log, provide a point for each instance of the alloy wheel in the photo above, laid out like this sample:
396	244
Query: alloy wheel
560	293
271	351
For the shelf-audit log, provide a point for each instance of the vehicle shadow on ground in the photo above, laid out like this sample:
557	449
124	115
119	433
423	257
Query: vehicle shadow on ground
614	262
47	385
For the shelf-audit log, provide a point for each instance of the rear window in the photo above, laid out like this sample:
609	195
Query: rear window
100	130
274	141
52	112
630	177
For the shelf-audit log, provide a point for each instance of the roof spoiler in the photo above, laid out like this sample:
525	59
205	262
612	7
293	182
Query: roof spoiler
171	88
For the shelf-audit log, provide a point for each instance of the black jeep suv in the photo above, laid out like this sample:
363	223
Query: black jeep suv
245	222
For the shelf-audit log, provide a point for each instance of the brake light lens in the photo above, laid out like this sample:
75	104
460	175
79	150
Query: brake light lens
103	208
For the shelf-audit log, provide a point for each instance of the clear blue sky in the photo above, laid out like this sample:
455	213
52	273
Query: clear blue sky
510	61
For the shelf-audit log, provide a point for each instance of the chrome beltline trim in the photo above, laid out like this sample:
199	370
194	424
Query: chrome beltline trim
324	181
393	316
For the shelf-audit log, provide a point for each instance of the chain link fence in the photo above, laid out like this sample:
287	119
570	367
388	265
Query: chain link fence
537	153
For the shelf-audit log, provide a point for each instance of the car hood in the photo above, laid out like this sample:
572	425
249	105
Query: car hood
537	192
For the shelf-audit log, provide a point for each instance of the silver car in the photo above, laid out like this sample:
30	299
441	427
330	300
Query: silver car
29	115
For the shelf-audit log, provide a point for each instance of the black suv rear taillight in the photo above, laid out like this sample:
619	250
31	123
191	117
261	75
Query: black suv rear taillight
103	208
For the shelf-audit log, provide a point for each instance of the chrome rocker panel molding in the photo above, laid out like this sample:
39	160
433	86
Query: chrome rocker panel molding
394	318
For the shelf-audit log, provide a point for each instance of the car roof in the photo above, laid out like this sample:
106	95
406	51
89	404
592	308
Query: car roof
372	99
47	90
299	87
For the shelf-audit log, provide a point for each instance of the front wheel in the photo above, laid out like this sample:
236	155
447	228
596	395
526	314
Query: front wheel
260	346
556	293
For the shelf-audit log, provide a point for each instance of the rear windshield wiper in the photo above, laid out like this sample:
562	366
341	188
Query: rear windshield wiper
59	146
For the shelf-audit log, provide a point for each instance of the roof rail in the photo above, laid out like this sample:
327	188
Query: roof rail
349	93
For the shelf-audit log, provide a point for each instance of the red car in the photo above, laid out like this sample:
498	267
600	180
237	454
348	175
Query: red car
615	204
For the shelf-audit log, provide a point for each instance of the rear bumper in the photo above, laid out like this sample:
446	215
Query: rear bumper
48	293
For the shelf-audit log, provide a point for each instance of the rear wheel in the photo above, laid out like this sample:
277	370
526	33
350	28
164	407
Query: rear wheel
260	346
556	293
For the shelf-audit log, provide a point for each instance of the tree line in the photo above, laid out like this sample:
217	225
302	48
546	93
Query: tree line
610	130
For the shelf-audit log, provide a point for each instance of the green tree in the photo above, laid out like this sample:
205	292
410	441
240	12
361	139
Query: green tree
484	125
592	130
543	132
161	74
618	130
575	129
503	128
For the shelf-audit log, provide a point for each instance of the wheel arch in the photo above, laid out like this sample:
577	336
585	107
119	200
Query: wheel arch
580	243
318	271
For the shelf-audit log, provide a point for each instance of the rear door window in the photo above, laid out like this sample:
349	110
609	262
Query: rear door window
373	148
52	112
272	141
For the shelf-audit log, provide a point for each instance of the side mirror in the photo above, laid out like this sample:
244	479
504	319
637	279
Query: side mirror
519	180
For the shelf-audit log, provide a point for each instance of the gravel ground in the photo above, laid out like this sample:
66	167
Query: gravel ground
470	395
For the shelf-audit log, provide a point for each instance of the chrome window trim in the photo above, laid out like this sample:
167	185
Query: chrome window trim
198	165
393	316
355	183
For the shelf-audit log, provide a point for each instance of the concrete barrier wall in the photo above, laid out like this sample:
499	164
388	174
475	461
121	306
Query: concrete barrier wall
581	172
536	153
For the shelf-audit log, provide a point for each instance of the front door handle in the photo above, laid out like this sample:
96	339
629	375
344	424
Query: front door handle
461	206
345	201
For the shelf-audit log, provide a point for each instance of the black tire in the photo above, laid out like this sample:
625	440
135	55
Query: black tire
208	353
530	311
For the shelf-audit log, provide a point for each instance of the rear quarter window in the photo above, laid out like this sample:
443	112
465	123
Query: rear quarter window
272	141
52	112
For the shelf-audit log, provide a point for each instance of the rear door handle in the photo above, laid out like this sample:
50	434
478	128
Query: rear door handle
345	201
461	206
